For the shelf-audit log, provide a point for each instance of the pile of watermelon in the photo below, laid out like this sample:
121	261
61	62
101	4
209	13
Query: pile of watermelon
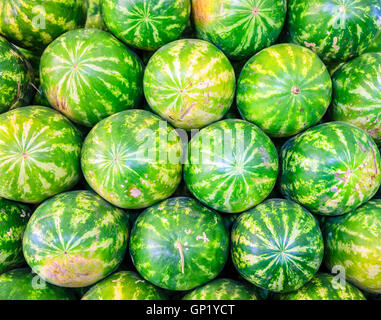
190	149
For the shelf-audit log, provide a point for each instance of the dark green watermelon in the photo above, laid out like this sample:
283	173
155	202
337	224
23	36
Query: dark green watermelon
94	15
376	44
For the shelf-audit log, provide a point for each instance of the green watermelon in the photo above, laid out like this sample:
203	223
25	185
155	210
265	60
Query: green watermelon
277	245
376	44
330	169
190	83
232	166
75	239
284	89
146	24
223	289
124	285
88	75
33	24
94	15
40	98
178	244
357	94
132	159
324	286
13	220
353	242
239	28
337	30
39	154
22	284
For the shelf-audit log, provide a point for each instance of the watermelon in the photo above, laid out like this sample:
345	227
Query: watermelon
239	28
88	75
352	241
75	239
15	77
22	284
324	286
330	169
132	159
284	89
376	44
146	24
179	244
357	94
124	285
337	30
222	289
232	166
13	220
190	83
33	24
39	154
277	245
94	15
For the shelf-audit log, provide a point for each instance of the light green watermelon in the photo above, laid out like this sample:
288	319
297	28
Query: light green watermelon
94	15
376	44
75	239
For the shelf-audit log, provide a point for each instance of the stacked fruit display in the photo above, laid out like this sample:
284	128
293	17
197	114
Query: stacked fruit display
178	149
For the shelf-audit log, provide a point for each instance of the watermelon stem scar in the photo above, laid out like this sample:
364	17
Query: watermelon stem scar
295	90
179	246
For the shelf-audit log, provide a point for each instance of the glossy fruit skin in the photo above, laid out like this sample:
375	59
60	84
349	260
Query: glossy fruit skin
324	286
75	239
124	285
88	82
352	241
328	26
330	169
33	24
279	95
39	154
146	24
232	165
179	244
190	83
240	28
13	219
357	94
277	245
132	159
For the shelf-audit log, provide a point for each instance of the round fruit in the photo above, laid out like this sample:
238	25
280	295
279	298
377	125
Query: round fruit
39	154
146	24
353	242
94	15
330	169
88	75
232	166
190	83
277	245
124	285
75	239
284	89
240	28
132	159
357	94
178	244
376	44
334	29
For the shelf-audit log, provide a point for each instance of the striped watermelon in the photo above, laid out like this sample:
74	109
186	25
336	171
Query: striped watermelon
239	28
277	245
13	220
146	24
281	97
334	29
353	242
88	75
376	44
331	169
39	154
75	239
132	159
324	287
94	15
178	244
357	94
33	24
190	83
124	285
232	166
